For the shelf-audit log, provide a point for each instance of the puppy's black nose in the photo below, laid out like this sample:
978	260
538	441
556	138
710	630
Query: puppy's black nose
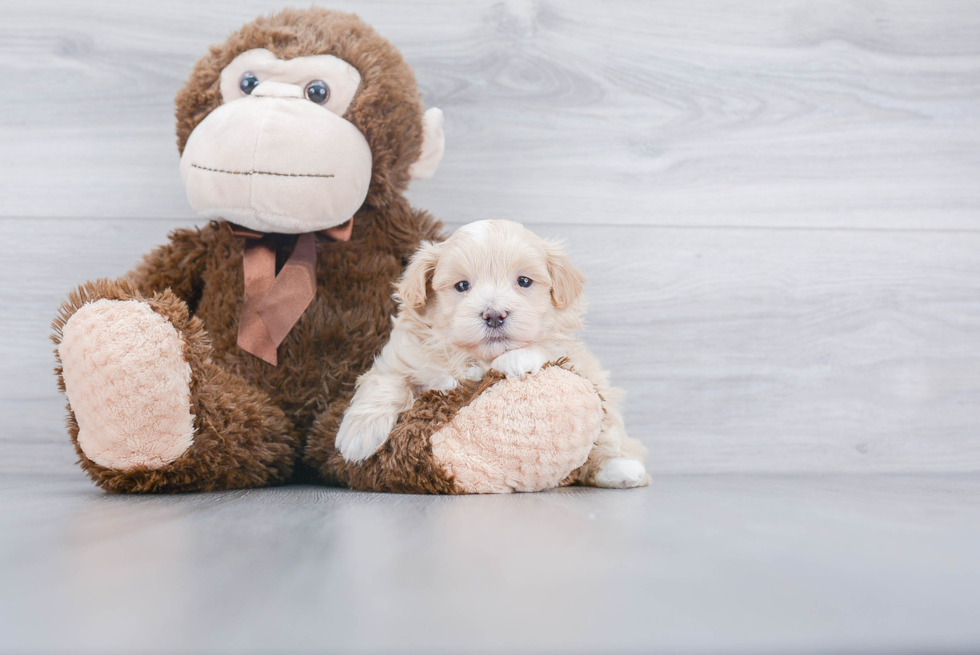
494	319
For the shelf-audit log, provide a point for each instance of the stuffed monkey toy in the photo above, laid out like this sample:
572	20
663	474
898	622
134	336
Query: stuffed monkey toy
226	358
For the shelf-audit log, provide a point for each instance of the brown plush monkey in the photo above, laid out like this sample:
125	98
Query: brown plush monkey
226	358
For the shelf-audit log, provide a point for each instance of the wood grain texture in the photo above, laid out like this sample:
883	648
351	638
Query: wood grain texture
787	113
693	564
740	349
777	204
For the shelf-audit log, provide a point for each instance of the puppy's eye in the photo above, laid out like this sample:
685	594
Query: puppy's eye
248	83
524	282
462	286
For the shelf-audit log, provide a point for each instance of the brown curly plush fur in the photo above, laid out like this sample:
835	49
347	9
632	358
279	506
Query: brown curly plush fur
251	419
405	462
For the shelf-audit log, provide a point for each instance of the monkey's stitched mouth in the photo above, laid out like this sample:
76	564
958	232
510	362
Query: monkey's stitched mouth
253	172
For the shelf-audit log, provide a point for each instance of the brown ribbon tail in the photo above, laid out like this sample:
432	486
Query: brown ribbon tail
259	267
273	304
243	232
292	291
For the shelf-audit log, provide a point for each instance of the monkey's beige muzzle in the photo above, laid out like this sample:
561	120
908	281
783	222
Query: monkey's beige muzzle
276	162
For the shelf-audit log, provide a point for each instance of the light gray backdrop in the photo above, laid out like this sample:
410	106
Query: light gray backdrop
777	203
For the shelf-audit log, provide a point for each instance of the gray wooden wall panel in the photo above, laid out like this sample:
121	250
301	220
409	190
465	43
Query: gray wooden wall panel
777	202
741	349
672	113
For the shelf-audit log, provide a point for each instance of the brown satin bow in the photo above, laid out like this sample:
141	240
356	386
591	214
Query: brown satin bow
274	303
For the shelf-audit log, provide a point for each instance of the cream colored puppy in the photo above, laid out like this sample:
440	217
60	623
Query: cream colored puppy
492	296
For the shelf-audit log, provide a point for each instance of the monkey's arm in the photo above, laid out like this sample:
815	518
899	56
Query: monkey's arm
492	436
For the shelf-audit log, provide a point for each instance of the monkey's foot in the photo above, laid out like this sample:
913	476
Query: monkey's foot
128	385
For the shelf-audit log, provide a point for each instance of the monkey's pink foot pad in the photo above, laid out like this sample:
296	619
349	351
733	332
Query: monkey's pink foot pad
544	429
128	385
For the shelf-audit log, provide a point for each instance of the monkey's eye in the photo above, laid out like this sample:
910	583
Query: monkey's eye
524	282
318	91
248	83
462	286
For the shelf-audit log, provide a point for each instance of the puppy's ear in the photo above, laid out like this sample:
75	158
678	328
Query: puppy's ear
566	280
413	287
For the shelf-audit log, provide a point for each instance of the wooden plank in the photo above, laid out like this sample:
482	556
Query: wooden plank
670	113
741	349
694	564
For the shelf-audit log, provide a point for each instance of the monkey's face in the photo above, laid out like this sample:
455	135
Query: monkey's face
278	155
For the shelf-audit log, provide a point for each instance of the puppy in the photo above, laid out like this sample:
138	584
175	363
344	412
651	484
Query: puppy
492	296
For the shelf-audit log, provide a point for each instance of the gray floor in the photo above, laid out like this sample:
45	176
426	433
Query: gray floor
777	205
693	564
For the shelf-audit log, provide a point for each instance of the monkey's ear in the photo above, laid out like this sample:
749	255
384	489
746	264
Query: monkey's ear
413	287
433	145
566	281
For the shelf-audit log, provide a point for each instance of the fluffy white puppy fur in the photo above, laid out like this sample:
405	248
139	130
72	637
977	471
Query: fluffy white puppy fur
492	296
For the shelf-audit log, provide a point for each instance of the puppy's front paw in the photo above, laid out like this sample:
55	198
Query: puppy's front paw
621	473
520	362
360	436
